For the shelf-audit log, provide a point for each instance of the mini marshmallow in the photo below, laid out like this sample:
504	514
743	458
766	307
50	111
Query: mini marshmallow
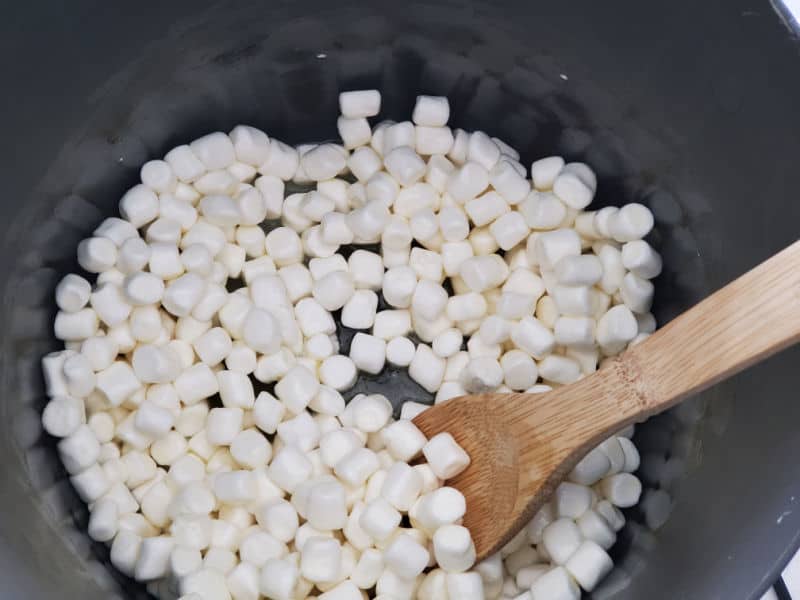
552	246
542	210
320	559
338	372
62	416
559	369
297	388
468	182
465	586
636	293
400	351
482	374
585	269
404	165
589	564
509	230
641	259
556	583
75	326
531	336
573	192
561	539
124	551
359	311
631	222
453	548
223	425
118	382
488	207
426	368
482	150
447	343
519	370
481	273
431	111
215	150
368	353
379	519
594	527
443	506
289	468
445	456
357	466
406	557
572	500
360	104
616	328
433	140
622	489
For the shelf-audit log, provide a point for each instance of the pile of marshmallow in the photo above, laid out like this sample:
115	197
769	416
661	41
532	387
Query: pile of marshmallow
199	396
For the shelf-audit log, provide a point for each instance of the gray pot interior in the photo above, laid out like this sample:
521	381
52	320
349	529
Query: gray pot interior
689	109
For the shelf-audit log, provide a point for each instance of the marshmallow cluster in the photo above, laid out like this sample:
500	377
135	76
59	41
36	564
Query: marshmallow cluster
199	398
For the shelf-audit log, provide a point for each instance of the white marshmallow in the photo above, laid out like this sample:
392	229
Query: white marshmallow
556	583
406	557
215	150
573	192
561	539
297	388
433	140
357	466
429	299
482	150
519	370
368	353
426	368
622	489
321	559
542	210
284	246
594	527
75	326
453	548
481	273
616	328
545	170
223	425
338	372
559	369
62	416
359	311
466	307
379	519
531	336
465	586
589	564
366	268
289	468
445	456
631	222
486	208
636	293
400	351
405	165
360	104
431	111
467	182
118	382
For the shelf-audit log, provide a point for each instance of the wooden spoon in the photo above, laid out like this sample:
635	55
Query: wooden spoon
522	445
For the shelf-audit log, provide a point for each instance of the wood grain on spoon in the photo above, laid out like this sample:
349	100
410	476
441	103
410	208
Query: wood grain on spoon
522	445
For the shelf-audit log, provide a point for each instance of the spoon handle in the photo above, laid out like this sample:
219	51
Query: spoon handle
745	322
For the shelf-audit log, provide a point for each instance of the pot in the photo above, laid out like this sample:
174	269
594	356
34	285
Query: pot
690	108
